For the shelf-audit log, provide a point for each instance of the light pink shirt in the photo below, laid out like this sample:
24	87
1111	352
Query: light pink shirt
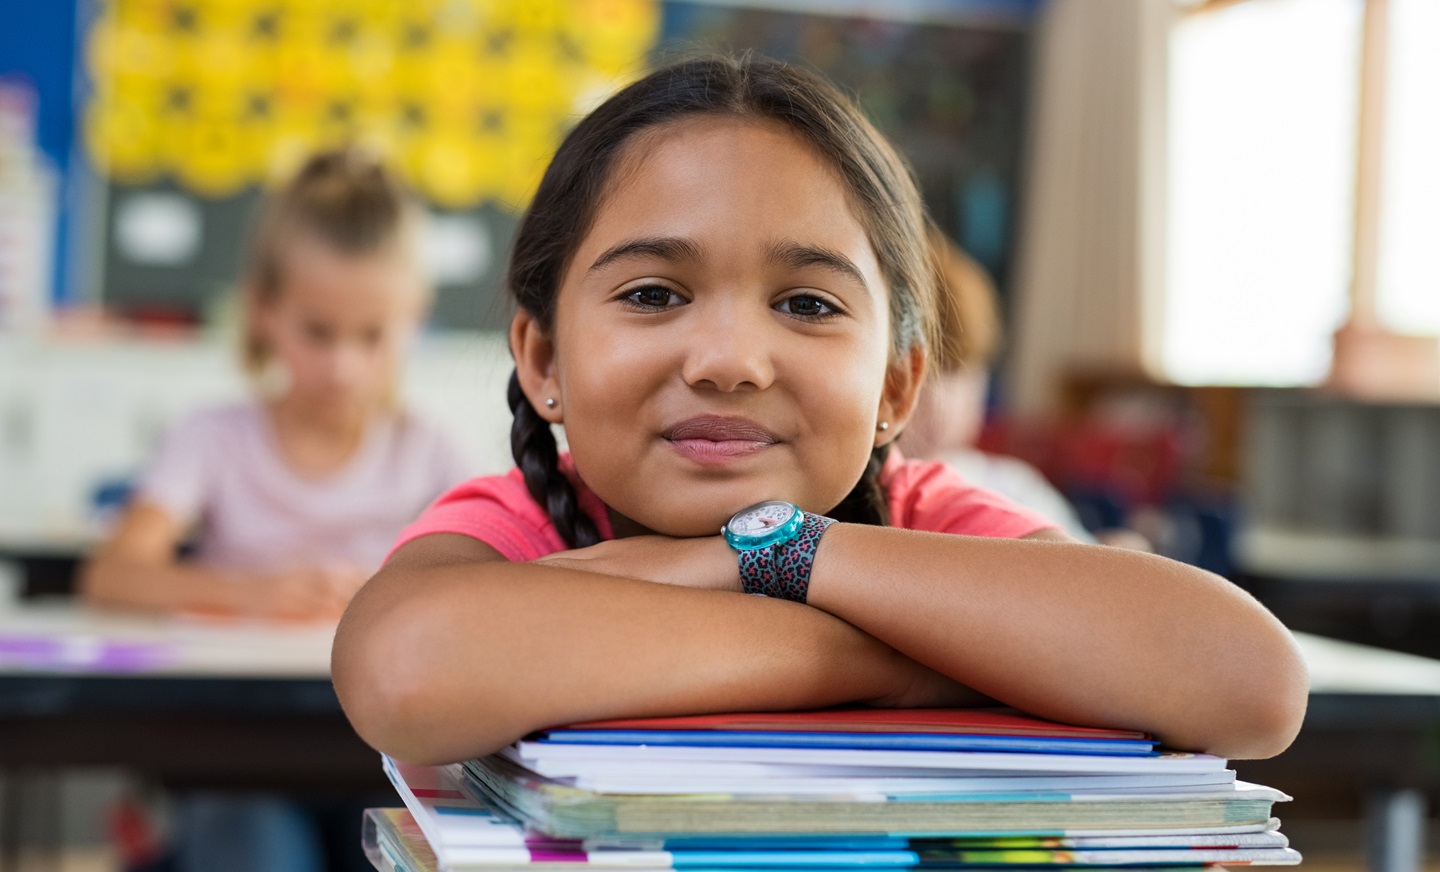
923	495
221	469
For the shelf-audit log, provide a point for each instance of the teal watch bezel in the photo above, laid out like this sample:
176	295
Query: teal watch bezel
783	533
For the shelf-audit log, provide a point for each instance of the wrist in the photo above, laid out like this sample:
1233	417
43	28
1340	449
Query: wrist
776	544
719	560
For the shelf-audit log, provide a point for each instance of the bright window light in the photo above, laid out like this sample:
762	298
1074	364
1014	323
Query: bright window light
1408	285
1263	104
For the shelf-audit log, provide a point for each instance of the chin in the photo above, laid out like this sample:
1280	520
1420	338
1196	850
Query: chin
691	524
703	512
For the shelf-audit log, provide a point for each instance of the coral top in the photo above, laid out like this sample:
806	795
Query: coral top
923	495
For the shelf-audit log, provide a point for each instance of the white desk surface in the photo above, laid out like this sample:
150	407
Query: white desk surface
1322	557
63	637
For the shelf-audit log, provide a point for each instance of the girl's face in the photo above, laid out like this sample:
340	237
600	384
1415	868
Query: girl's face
339	323
721	335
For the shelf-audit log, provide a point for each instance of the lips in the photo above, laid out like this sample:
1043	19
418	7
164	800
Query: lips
718	438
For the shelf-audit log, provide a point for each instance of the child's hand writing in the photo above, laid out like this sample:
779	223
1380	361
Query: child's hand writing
705	562
315	593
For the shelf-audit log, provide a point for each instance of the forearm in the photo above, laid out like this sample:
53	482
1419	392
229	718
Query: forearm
1077	633
118	582
452	662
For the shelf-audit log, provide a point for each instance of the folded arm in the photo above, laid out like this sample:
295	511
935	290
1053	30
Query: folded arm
451	652
137	568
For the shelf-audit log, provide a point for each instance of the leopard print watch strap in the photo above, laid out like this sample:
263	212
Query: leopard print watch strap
783	570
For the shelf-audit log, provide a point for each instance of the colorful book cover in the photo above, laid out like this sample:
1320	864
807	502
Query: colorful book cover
555	759
978	722
567	812
857	740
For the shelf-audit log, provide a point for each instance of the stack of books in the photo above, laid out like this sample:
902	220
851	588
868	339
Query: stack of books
803	791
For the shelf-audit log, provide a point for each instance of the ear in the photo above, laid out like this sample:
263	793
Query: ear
534	354
903	381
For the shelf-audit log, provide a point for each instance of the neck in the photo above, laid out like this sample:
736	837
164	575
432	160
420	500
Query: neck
623	527
339	424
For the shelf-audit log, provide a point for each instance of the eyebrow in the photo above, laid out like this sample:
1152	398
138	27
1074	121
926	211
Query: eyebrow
788	252
796	255
670	248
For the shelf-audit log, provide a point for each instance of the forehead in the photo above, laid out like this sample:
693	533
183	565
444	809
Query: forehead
319	278
725	179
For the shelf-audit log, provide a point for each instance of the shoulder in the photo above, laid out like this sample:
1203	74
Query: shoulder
495	509
928	495
212	428
418	427
224	417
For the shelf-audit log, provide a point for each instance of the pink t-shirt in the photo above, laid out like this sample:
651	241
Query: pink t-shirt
924	495
221	470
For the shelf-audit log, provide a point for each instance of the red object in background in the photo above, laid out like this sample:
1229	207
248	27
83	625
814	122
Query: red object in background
1137	464
133	834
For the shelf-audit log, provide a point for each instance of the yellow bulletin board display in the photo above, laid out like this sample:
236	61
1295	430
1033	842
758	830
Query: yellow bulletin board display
468	98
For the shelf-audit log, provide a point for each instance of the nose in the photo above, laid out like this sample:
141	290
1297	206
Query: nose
347	365
731	350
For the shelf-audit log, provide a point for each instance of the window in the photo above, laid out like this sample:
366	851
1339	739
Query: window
1261	189
1408	283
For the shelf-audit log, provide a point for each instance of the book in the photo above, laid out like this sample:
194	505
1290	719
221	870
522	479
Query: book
831	790
932	741
555	758
996	721
564	811
393	840
816	780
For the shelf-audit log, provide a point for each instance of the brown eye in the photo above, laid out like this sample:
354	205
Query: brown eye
807	306
653	297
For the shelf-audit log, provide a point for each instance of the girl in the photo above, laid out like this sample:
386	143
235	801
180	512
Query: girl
724	298
950	412
298	492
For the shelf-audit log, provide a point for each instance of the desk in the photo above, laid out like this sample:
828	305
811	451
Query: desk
1372	590
223	703
195	702
1374	722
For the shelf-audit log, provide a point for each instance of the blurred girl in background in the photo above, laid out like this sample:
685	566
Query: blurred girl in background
951	409
295	495
291	497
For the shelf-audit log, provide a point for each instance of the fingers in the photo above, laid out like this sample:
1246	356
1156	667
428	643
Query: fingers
316	593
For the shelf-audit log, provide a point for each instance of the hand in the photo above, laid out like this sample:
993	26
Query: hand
308	593
923	687
703	562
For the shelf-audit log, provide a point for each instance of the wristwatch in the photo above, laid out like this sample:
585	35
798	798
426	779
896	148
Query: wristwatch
776	544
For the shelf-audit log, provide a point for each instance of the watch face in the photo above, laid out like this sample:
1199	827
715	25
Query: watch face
762	519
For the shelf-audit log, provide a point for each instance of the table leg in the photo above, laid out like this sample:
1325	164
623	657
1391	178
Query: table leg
1395	830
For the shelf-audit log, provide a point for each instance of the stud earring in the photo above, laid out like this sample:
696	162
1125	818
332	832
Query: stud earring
883	425
549	402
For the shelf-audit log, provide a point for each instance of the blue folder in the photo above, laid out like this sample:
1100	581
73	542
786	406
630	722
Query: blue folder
867	741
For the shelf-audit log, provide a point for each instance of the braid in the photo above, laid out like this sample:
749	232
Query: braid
867	502
535	452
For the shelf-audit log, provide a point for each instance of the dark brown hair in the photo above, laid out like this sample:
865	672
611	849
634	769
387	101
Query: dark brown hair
880	187
345	198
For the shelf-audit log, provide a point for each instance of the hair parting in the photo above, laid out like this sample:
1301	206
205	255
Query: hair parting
345	198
